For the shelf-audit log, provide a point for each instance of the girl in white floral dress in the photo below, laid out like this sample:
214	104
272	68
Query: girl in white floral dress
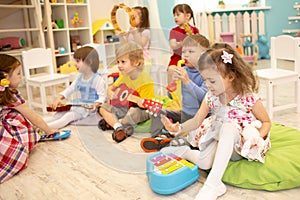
231	84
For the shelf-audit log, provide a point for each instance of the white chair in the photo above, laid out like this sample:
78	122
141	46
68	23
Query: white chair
39	72
283	47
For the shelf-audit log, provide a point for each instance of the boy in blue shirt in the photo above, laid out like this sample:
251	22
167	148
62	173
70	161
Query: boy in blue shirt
193	90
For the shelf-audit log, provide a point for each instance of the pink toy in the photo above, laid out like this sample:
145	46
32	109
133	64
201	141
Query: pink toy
15	42
227	37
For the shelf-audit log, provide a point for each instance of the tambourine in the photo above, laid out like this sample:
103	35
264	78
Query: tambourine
114	17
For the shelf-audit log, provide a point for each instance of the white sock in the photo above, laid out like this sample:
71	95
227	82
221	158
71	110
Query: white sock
117	125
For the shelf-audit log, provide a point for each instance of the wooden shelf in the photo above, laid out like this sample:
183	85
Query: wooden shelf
294	18
239	9
290	30
62	36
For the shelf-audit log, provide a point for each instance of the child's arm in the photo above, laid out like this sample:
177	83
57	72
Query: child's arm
189	125
122	36
110	92
141	40
34	118
174	44
57	101
261	114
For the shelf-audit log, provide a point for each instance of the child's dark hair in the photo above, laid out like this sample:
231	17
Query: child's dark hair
135	53
89	56
184	8
244	79
144	16
7	65
197	39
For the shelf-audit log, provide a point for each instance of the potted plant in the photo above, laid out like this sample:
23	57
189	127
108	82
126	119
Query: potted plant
253	3
221	4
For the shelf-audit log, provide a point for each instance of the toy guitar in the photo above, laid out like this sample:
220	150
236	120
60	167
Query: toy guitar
128	97
169	173
172	86
67	107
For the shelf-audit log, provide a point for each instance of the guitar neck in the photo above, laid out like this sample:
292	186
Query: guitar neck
133	98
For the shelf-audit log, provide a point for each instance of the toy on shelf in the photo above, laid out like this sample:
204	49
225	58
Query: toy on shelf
12	42
75	42
76	20
169	173
263	47
227	37
68	68
114	17
250	51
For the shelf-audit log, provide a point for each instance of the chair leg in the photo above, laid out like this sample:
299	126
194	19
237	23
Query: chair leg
43	99
29	95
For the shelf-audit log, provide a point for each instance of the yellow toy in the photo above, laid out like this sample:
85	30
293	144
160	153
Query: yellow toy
188	29
68	68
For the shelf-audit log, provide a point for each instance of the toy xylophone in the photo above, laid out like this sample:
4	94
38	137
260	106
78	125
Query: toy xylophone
169	173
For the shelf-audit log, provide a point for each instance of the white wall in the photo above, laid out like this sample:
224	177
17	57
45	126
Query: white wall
101	9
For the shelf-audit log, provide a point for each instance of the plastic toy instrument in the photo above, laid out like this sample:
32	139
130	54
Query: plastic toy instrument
127	97
173	86
169	173
67	107
114	17
188	29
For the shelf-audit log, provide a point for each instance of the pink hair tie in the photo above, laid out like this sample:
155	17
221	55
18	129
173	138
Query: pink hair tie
227	57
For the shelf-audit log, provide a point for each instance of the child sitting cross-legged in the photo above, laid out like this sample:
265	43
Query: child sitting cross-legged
120	114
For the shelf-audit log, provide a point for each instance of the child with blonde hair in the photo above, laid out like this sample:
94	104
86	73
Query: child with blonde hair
119	113
231	96
21	128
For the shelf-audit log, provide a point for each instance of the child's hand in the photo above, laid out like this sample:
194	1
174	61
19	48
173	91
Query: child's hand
181	74
169	125
140	103
112	93
95	107
55	104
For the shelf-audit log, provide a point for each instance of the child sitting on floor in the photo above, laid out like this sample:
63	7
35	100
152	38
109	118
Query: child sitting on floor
119	114
193	90
231	96
89	84
21	128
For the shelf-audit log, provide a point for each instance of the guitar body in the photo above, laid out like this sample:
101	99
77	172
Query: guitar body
123	92
169	173
61	108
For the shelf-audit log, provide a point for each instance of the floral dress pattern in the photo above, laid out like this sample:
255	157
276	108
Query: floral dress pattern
238	112
17	138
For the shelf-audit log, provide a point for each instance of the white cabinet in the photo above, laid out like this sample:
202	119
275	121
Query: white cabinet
20	26
110	50
72	28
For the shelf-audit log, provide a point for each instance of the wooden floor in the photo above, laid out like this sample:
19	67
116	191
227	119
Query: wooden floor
70	170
